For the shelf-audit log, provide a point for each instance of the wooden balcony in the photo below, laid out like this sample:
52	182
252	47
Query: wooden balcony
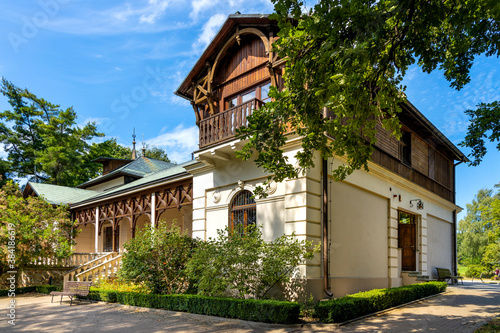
222	126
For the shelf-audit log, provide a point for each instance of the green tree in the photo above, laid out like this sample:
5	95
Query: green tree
157	257
472	236
491	213
345	64
478	237
484	123
243	264
41	139
157	153
5	173
107	148
65	148
32	228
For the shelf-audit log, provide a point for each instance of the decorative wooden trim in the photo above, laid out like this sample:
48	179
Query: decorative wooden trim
133	206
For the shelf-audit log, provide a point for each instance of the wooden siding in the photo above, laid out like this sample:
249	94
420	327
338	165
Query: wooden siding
243	67
240	59
419	155
393	164
429	168
386	142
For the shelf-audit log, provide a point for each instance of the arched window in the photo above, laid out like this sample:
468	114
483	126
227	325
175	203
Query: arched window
242	213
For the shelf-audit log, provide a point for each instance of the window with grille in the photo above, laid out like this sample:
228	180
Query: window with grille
242	213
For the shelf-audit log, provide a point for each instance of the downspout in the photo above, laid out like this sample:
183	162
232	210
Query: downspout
454	267
324	254
454	244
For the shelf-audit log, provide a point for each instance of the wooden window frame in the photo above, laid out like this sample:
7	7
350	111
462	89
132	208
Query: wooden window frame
239	95
248	209
405	150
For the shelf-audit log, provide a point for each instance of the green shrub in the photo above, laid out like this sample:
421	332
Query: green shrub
47	289
157	257
117	285
475	271
104	295
363	303
44	289
267	311
241	264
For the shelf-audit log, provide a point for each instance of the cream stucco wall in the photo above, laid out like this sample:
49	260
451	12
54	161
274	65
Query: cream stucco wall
107	185
358	233
125	233
439	246
85	240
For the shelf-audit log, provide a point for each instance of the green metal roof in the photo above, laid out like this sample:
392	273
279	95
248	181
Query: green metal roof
172	172
61	195
75	196
137	168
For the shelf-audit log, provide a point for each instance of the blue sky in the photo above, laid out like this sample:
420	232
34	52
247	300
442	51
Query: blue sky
118	63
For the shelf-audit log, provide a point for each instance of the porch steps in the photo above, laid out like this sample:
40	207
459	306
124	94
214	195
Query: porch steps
104	266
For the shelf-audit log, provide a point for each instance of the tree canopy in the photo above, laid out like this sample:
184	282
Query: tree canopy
32	228
349	57
43	141
478	237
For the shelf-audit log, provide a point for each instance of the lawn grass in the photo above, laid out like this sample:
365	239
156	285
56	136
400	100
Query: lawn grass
492	326
462	270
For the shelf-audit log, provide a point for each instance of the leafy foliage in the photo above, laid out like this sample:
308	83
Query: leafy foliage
244	265
41	139
267	311
5	174
363	303
37	228
484	123
345	64
157	257
478	237
156	153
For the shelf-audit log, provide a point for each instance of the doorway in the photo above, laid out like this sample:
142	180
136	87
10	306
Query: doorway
108	239
407	240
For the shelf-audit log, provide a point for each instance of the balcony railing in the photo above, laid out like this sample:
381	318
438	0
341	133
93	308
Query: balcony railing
222	126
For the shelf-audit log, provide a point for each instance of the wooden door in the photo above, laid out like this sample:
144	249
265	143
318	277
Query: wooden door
108	239
407	242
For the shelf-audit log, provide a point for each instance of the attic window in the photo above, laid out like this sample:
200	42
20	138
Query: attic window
406	148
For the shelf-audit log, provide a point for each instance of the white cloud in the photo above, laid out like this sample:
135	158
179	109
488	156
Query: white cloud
209	30
139	16
154	11
200	6
178	143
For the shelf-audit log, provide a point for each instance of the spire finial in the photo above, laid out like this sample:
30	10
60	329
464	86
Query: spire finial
143	146
134	154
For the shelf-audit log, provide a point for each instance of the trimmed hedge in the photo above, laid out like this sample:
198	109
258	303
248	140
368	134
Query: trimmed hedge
266	311
363	303
44	289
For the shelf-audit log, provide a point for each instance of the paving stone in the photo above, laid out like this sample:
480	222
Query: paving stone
463	309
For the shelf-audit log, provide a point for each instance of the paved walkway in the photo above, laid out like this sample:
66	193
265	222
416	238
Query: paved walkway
462	309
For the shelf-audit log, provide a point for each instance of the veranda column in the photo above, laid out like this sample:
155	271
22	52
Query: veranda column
153	210
97	229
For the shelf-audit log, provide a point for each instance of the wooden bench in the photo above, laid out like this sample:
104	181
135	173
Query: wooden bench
73	289
445	274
